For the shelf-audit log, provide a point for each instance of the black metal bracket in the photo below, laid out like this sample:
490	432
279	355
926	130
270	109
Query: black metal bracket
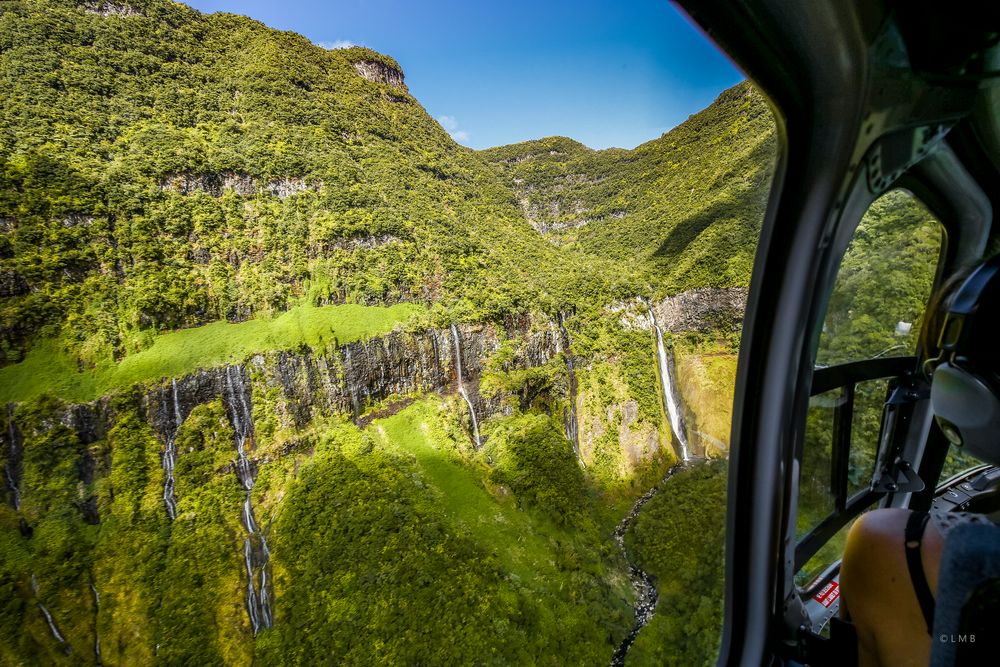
840	650
900	477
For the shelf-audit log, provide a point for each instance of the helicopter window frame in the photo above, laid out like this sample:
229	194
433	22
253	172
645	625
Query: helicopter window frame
902	409
847	506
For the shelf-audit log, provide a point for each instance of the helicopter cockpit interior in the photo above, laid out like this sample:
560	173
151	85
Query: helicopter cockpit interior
833	414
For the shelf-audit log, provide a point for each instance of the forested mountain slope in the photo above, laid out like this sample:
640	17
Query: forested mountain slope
687	206
289	374
164	168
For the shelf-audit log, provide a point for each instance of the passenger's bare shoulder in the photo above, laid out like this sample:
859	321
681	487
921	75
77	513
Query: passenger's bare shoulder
877	534
874	560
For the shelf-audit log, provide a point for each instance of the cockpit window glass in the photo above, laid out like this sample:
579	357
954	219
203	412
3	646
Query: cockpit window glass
875	311
884	283
866	420
821	561
816	498
957	460
817	495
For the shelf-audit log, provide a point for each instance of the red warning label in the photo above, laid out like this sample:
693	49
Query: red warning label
828	594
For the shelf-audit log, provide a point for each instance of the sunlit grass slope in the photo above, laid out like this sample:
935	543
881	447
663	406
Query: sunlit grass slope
49	368
491	516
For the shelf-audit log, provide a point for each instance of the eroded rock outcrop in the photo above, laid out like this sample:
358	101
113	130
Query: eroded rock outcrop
12	283
348	379
216	184
380	72
107	8
701	309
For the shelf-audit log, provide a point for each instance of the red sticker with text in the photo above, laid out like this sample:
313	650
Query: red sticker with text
828	594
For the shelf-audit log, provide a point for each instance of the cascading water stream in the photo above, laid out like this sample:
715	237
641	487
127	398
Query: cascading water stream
348	375
645	592
669	398
170	458
255	551
461	385
48	616
13	457
97	611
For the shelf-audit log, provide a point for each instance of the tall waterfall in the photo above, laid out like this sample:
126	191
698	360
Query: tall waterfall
670	400
255	551
461	385
48	616
170	457
569	413
13	457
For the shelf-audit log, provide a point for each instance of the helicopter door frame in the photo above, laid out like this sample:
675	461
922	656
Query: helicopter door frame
838	83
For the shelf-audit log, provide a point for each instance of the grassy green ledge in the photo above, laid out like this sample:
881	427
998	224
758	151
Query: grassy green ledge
50	369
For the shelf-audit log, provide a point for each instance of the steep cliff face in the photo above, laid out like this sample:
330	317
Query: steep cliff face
241	184
701	351
378	72
304	385
703	310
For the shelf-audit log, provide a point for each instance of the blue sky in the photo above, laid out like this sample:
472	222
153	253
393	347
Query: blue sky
604	72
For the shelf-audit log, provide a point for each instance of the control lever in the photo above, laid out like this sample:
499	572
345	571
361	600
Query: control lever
899	476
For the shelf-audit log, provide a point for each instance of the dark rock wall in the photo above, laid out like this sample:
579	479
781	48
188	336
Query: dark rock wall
359	374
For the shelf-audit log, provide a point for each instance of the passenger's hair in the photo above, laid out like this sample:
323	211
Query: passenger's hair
980	347
935	315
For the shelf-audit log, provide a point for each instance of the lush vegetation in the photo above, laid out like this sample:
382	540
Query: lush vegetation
442	590
684	209
169	168
180	192
679	539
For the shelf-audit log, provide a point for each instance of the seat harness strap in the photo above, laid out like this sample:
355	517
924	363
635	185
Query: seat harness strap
914	534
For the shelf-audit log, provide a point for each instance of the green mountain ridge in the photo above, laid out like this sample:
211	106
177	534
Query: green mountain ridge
689	200
330	187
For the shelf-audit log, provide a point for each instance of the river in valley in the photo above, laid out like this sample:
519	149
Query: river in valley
645	592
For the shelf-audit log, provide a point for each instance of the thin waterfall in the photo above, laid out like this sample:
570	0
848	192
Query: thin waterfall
461	385
97	611
349	383
255	551
45	612
569	413
13	458
170	457
669	398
